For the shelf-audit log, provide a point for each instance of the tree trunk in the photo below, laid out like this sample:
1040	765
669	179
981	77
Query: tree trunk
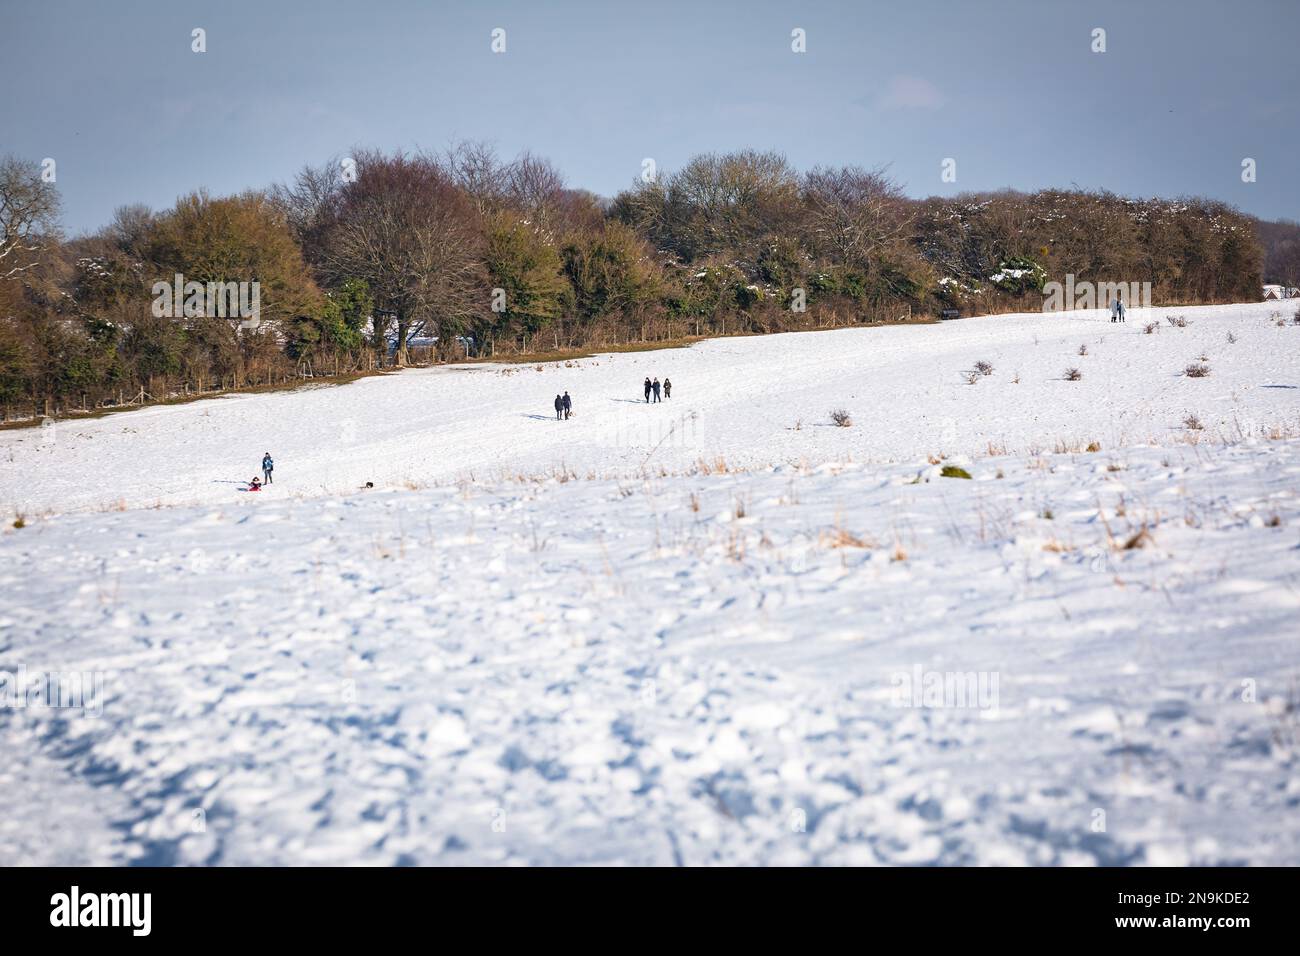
403	326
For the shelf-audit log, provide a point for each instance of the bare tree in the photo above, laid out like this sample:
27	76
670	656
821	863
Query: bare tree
131	227
853	213
717	203
530	185
310	205
29	211
405	228
474	167
535	187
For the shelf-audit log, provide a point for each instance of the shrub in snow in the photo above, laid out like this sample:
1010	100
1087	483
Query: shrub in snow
841	418
1019	275
823	284
781	263
956	291
1073	375
1177	321
984	368
1150	328
747	296
1197	370
953	471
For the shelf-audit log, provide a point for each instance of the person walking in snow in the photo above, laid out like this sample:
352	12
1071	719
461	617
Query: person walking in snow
1117	309
656	386
559	408
568	405
268	466
647	389
668	389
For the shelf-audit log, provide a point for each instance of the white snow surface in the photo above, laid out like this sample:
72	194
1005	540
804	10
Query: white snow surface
714	630
753	401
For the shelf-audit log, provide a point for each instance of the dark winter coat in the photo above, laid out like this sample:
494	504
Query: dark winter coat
559	403
568	402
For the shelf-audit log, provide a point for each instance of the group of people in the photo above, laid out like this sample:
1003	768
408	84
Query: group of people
563	409
268	466
654	388
563	406
1117	309
655	391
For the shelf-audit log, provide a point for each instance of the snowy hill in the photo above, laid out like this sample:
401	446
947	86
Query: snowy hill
752	401
718	629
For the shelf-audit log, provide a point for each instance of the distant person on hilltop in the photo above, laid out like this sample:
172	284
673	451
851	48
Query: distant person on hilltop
647	388
1117	309
559	408
268	466
668	389
656	386
568	405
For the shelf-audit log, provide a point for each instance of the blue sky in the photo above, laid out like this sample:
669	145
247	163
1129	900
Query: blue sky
1011	90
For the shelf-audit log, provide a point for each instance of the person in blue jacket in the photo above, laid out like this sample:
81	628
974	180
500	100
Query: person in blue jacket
268	466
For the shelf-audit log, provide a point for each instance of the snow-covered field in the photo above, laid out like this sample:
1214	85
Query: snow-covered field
717	630
752	401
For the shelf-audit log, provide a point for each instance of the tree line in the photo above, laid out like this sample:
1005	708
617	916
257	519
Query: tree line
387	258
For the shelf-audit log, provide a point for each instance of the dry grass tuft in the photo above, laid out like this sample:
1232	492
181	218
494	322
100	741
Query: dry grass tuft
1141	539
840	537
